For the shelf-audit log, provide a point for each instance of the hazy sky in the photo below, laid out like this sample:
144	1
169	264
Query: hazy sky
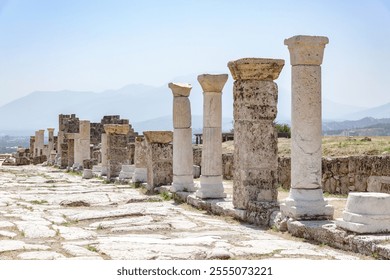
107	44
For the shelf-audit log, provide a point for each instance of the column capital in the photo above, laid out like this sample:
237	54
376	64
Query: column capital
263	69
163	137
180	89
212	83
50	130
116	128
306	50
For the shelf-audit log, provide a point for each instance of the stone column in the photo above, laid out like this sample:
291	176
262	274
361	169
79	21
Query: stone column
39	143
211	173
140	172
117	152
50	146
183	179
32	146
306	200
159	158
64	155
70	141
255	137
103	152
82	143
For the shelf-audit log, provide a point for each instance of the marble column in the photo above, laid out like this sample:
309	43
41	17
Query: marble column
255	136
140	171
183	179
117	152
211	173
50	146
103	152
159	154
306	199
82	144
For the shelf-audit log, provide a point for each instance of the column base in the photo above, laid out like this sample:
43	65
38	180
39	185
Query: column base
104	170
210	187
306	204
140	175
183	183
366	213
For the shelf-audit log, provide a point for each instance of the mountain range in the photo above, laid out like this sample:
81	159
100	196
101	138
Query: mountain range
147	108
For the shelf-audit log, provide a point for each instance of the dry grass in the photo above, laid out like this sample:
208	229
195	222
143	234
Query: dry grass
335	146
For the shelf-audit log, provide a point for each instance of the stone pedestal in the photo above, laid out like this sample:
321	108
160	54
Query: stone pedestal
306	199
82	144
159	154
183	179
211	174
366	213
127	172
140	163
117	152
255	137
87	173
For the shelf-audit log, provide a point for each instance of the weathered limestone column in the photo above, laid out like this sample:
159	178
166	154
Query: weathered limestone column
117	152
306	200
70	140
32	146
183	178
211	173
50	146
140	172
159	158
64	155
39	142
255	137
104	153
82	143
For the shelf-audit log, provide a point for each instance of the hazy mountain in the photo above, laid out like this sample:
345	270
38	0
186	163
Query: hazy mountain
147	107
348	125
379	112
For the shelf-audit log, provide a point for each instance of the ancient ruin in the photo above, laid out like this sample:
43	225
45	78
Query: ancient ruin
211	185
82	149
306	200
140	162
255	146
159	153
182	139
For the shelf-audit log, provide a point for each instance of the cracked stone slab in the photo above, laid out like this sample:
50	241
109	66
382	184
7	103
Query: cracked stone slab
72	233
7	233
45	255
121	222
35	230
15	245
78	251
5	224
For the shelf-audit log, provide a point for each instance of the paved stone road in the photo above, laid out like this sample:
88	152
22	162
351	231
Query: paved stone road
48	214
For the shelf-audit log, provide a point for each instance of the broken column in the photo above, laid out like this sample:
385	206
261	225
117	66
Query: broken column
306	199
159	154
140	171
70	139
39	143
32	146
103	152
211	173
50	150
183	179
117	152
82	143
255	136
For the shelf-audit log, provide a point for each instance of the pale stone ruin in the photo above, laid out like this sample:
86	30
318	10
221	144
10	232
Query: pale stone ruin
159	153
82	142
211	185
255	146
306	200
183	179
140	163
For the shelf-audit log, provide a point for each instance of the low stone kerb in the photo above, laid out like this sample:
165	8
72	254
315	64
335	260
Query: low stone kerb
179	89
265	69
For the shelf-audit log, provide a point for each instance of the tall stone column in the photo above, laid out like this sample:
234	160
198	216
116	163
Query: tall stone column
117	152
159	158
255	137
32	146
140	172
306	199
104	154
211	173
50	146
82	143
183	179
71	138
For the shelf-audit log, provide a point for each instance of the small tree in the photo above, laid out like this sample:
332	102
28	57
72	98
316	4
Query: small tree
283	128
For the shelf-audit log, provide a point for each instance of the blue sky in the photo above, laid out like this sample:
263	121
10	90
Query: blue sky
107	44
